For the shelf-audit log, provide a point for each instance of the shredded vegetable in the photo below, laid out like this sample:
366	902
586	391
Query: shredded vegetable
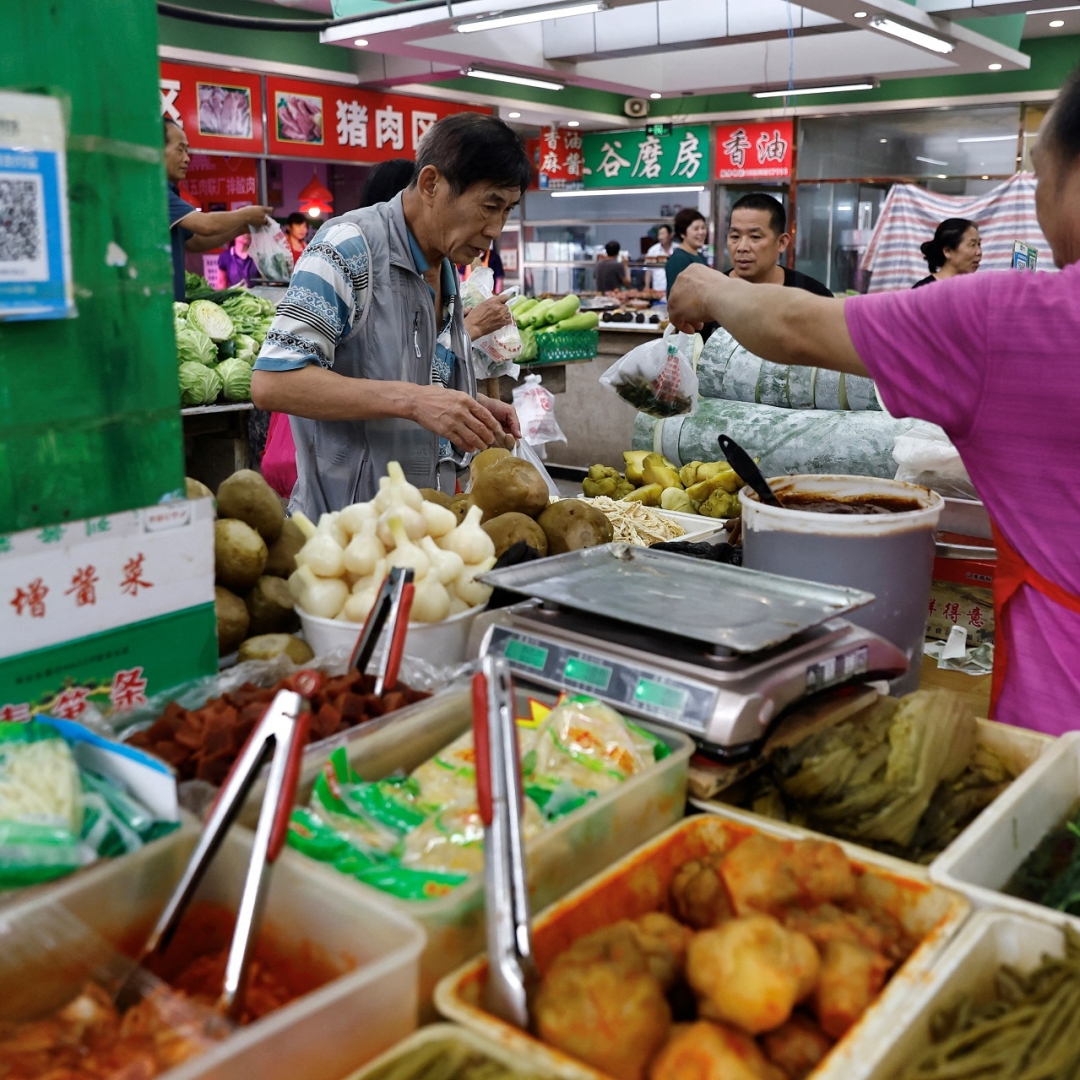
635	523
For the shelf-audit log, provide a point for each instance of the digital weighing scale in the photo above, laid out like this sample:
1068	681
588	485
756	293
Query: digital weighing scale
716	651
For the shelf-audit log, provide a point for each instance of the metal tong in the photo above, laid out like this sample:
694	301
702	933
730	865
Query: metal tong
281	735
512	972
392	606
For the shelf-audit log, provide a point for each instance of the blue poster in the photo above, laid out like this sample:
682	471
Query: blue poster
35	251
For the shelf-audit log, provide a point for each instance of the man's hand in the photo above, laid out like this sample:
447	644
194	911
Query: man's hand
254	216
455	416
487	317
507	417
692	302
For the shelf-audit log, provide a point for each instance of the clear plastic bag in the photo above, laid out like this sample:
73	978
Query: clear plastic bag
929	459
535	406
526	453
658	378
271	253
498	350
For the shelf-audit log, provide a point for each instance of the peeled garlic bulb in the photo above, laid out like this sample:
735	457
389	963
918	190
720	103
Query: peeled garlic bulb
470	541
358	606
469	589
376	578
406	553
395	491
364	550
438	519
445	565
353	518
323	554
431	602
330	525
324	597
412	520
457	606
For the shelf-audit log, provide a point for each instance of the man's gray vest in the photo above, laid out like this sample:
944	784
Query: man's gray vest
339	462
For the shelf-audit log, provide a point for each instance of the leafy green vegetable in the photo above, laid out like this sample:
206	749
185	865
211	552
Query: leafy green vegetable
199	384
193	346
179	310
236	379
194	283
211	318
226	350
247	348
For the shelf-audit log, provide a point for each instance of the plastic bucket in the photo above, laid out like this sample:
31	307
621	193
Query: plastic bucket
889	555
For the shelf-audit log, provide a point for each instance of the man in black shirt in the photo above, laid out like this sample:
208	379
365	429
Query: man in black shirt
612	273
757	237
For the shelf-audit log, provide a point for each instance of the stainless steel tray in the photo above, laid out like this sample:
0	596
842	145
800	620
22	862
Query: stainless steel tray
742	610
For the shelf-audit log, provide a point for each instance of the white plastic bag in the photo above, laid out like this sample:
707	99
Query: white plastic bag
271	252
929	459
493	354
535	407
659	377
526	453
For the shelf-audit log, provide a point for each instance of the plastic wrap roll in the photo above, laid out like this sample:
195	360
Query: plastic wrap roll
787	441
729	372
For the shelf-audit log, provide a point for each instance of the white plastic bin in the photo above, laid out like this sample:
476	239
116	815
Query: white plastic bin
323	1035
562	856
966	969
980	862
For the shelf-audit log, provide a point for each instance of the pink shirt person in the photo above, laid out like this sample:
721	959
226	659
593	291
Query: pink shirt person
994	359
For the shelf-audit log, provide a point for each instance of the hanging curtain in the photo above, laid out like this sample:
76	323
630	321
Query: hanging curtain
911	214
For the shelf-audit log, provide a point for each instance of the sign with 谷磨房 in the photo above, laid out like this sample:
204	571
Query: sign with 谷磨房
621	159
755	151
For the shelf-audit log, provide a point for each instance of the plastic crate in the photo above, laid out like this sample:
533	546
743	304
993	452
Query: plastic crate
561	345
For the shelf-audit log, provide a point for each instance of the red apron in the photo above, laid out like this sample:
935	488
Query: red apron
1011	574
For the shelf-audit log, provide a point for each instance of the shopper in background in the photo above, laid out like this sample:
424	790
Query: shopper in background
991	358
955	249
386	179
370	370
612	272
691	231
236	264
190	228
757	236
662	249
296	229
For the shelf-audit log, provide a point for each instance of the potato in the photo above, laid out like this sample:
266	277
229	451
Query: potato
507	529
240	554
281	560
268	646
509	486
232	620
572	524
460	505
439	497
486	458
196	489
270	605
247	497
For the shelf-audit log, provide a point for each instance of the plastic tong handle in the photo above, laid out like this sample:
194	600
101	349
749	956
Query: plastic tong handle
482	747
397	642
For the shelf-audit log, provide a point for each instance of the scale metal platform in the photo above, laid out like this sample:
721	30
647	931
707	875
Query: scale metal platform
716	651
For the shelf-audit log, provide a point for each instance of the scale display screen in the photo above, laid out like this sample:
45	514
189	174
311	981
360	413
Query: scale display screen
683	703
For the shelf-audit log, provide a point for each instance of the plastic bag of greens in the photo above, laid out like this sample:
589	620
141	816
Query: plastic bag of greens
658	377
271	253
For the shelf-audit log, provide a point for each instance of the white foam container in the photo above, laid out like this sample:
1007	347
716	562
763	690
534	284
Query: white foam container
560	857
982	860
966	969
323	1035
1019	748
441	644
696	529
639	883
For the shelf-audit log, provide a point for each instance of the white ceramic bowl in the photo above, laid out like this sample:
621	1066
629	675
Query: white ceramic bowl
441	644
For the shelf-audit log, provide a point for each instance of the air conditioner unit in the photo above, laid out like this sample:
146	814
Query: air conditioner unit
636	107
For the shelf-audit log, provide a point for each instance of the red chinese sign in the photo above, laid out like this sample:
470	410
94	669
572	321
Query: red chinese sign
218	110
343	123
232	181
755	151
557	158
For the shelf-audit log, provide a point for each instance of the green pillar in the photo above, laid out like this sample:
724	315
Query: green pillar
89	407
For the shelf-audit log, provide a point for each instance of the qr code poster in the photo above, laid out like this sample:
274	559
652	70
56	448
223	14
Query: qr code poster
35	255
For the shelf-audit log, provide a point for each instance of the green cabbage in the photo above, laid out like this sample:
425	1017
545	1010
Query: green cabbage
247	348
211	318
179	310
236	379
199	384
259	333
194	346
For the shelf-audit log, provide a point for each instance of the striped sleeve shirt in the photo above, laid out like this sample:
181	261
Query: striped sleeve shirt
323	304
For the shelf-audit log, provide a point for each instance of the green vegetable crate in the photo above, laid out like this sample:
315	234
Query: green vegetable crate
562	345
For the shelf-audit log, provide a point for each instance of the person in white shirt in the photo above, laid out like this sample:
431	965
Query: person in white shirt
661	249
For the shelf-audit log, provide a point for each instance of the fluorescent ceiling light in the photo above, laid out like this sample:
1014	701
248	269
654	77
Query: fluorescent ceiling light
1055	23
514	115
994	67
836	88
1051	10
517	80
910	34
360	42
573	123
623	191
517	18
930	160
655	96
989	138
